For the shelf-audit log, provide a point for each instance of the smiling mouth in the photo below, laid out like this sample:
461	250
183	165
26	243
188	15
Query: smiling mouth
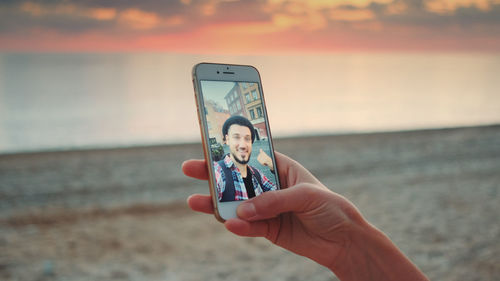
243	154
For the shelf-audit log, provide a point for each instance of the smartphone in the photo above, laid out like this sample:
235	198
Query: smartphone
235	134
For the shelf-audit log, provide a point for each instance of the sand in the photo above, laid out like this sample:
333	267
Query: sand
120	214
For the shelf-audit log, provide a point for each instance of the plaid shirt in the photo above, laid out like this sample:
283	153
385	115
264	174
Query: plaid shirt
240	191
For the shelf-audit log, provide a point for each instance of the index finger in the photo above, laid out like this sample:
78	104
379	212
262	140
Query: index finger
195	168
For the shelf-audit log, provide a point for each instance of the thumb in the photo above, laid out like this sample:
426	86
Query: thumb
273	203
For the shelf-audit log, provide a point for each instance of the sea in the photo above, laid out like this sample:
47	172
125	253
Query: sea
65	101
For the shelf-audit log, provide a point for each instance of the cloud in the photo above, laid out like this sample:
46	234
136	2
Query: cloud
352	15
33	9
319	5
171	16
396	8
317	15
450	6
89	16
137	19
303	22
69	12
38	10
102	13
353	21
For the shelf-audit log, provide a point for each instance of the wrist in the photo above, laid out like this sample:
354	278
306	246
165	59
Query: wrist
352	250
371	255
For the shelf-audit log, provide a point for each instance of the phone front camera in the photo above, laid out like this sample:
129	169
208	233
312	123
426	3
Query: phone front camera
217	72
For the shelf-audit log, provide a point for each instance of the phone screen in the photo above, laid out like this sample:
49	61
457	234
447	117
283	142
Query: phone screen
239	139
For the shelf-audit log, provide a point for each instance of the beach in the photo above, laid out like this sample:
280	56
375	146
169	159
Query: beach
120	214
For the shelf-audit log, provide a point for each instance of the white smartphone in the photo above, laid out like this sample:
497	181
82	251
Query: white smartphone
235	134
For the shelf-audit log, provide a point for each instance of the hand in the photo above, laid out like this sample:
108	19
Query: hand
308	219
265	160
304	217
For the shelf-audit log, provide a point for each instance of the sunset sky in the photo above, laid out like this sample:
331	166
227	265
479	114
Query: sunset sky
249	27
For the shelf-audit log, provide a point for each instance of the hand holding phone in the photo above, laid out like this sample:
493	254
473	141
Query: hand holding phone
307	218
310	220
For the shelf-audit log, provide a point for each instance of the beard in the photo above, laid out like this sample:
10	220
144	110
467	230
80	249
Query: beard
241	161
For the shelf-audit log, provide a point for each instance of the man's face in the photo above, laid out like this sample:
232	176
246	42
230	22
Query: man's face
239	140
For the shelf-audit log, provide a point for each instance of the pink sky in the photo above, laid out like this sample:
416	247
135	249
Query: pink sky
251	27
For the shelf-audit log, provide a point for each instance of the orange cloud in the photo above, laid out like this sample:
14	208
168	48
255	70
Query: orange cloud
285	26
396	8
352	15
130	18
449	6
137	19
33	9
39	10
317	5
314	14
102	13
209	7
284	21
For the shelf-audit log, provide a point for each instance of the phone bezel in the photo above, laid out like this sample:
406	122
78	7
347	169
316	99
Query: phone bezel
226	72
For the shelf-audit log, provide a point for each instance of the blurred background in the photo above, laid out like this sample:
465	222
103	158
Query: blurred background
393	103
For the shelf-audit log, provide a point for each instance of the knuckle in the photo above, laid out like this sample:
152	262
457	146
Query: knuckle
307	189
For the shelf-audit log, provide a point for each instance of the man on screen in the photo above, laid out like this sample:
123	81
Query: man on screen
236	180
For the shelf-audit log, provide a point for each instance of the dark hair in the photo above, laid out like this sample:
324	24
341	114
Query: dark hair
238	120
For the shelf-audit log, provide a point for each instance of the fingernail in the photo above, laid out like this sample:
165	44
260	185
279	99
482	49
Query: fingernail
246	210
